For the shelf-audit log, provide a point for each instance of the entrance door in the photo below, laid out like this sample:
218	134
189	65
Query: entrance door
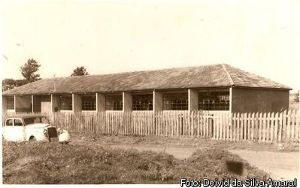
46	104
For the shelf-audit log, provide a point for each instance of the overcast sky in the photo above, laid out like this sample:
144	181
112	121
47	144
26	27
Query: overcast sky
108	37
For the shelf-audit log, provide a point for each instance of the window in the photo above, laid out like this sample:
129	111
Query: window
88	102
18	122
142	102
175	101
10	103
9	122
33	120
29	121
214	100
113	102
66	102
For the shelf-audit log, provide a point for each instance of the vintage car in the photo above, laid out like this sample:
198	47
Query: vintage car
31	127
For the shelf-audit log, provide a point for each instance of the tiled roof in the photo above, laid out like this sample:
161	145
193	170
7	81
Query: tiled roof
208	76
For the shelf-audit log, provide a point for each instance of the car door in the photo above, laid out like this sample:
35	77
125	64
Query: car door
19	130
8	130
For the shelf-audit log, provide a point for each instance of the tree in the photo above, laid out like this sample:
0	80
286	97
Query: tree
10	83
79	71
297	97
28	70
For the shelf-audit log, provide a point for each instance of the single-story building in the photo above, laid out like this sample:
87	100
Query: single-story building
219	87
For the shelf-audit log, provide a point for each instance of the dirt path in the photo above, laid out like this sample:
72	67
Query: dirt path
280	165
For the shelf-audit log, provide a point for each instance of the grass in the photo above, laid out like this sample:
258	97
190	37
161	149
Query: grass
54	163
184	142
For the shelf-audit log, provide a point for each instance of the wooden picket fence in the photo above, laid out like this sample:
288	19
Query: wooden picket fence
260	127
256	127
171	123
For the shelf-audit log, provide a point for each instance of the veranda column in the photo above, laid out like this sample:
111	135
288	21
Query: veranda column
100	102
157	101
192	99
15	103
76	103
55	103
32	104
4	104
127	102
230	100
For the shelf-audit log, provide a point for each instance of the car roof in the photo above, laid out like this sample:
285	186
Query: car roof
24	116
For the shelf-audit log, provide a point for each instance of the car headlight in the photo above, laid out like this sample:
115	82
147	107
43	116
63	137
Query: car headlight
59	131
46	132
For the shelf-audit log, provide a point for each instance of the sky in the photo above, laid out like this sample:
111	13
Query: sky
258	36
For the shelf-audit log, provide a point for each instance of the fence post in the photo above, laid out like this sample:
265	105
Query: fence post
158	117
237	126
264	127
276	128
248	122
255	136
246	126
230	126
288	132
280	127
234	128
166	123
271	127
243	126
222	127
226	123
252	125
298	125
293	117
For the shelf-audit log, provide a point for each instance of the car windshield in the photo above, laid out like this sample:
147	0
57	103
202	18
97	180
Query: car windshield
35	120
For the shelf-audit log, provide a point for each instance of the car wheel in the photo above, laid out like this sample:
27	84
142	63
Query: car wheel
32	139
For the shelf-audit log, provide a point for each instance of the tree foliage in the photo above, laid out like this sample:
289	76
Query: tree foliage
10	83
297	97
79	71
28	70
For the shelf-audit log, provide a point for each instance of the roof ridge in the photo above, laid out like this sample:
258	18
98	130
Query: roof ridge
134	71
228	75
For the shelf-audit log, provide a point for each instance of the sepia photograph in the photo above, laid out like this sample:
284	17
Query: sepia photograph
190	93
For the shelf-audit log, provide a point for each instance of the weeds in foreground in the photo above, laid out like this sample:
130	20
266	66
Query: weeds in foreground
54	163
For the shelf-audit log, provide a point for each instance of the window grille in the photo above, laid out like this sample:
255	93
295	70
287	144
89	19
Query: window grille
10	103
113	102
88	102
142	102
175	101
66	102
214	100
